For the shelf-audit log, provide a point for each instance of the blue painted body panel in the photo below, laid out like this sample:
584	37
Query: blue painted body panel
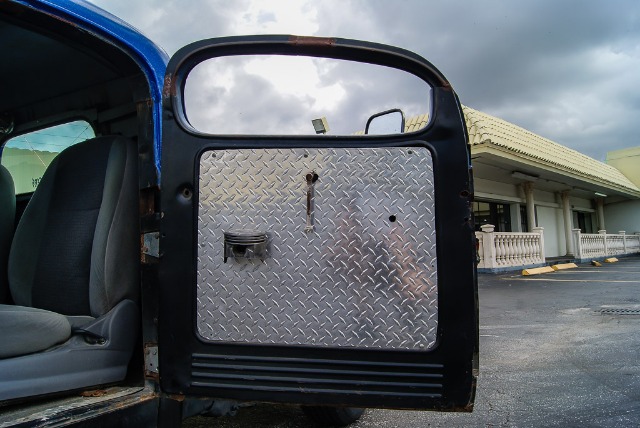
149	57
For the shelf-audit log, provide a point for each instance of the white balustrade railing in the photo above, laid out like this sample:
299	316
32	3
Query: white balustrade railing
479	237
504	250
510	250
603	244
633	243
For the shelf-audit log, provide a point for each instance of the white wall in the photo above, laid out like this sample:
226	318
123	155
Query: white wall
495	190
580	204
622	216
551	219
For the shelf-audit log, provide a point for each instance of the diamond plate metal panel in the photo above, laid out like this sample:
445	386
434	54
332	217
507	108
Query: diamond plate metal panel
365	275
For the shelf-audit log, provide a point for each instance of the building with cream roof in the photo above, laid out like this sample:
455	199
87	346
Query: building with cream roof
526	184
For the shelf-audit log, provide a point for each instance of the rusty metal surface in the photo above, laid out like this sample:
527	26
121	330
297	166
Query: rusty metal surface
312	41
73	408
151	361
363	276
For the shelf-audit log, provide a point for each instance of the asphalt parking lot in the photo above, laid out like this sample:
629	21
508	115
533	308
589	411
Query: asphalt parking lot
556	350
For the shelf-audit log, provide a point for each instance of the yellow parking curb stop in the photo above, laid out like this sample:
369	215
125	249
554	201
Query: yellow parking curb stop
538	270
563	266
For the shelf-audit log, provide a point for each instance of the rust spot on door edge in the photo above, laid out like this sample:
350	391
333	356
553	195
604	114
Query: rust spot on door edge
167	88
312	41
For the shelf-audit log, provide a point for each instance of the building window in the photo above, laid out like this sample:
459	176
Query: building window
524	220
493	213
585	222
524	223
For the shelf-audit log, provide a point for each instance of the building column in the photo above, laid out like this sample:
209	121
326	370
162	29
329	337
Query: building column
566	211
600	211
531	213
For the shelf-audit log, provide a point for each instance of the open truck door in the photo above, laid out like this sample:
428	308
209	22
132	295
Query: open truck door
333	269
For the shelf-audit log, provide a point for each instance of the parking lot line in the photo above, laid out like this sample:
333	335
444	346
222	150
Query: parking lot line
595	270
516	278
512	326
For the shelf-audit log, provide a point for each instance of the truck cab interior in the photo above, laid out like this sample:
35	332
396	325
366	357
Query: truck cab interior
70	238
82	232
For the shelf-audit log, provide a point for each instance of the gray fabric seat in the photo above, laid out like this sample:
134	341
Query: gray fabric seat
7	222
73	274
26	330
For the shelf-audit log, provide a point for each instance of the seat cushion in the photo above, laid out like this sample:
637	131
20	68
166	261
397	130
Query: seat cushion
27	330
76	249
79	321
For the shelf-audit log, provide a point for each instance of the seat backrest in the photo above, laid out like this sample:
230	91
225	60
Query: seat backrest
76	247
7	224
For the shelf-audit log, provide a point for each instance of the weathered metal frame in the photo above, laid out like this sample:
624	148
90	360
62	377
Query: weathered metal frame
443	378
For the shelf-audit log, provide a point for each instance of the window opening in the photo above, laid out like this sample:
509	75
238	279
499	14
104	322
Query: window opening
524	222
27	156
493	213
585	222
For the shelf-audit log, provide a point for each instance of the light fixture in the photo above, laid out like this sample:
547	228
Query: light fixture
602	195
320	125
524	176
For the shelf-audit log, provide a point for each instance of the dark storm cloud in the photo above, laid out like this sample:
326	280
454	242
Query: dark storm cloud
371	89
564	70
251	106
174	23
241	102
222	97
567	70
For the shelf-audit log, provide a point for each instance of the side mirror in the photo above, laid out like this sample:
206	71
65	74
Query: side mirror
386	122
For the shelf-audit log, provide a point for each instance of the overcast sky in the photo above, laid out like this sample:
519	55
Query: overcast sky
566	70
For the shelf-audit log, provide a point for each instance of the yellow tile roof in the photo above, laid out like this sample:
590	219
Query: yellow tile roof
416	122
489	130
412	124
